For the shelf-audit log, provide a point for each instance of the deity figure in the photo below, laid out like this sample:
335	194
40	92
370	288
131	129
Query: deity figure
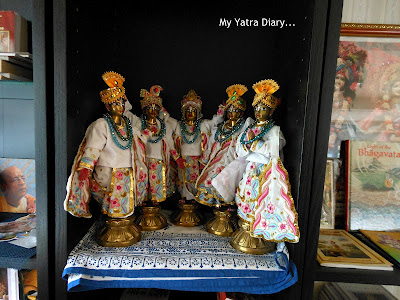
222	153
383	123
263	197
158	154
110	166
192	141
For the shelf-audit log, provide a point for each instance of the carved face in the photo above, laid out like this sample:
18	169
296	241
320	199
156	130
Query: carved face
234	113
116	108
152	111
262	112
190	114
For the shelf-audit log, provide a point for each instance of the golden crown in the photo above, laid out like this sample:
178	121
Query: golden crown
115	91
264	90
235	92
113	79
191	99
152	97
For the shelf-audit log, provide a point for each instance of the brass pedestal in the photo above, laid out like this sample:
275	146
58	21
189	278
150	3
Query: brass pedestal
187	216
151	218
221	224
119	232
242	240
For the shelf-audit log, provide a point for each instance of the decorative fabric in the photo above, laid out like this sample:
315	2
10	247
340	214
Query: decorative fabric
196	155
222	154
119	178
157	179
160	154
275	218
187	178
177	258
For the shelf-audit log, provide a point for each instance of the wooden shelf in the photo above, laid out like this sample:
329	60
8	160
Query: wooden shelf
357	276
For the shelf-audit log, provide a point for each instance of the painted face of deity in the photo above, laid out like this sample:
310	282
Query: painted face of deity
190	114
116	108
234	113
152	111
339	82
395	91
262	112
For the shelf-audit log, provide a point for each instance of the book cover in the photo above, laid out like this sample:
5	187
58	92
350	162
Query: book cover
13	32
388	241
372	186
338	248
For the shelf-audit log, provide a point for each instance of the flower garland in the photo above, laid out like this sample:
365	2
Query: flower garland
115	131
264	131
186	132
161	132
226	134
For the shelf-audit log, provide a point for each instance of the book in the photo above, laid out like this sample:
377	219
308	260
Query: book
353	291
328	204
338	248
372	186
14	69
388	241
13	32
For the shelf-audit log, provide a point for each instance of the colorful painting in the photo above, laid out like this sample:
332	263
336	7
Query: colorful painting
386	240
366	99
338	248
373	185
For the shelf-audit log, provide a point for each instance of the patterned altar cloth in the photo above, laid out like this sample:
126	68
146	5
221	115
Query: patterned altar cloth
177	258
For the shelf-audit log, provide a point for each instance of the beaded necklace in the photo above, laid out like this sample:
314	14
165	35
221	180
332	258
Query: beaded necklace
161	132
226	134
185	132
115	131
264	131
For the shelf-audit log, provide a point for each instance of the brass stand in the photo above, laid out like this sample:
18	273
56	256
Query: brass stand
187	216
151	218
242	240
221	224
119	232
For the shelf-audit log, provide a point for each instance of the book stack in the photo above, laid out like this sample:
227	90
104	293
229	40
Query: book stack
353	291
339	249
15	61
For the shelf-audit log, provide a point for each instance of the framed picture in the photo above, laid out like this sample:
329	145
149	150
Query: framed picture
328	203
372	185
354	291
338	248
17	185
366	99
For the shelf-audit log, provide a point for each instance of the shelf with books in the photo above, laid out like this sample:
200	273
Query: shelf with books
357	275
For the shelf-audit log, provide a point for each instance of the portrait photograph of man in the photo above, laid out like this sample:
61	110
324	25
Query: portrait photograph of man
17	185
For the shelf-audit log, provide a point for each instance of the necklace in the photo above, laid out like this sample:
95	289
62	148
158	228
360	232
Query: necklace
226	134
116	133
161	132
267	127
187	132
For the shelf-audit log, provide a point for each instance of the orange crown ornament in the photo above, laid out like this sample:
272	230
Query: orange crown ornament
152	97
115	91
113	79
264	90
235	92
